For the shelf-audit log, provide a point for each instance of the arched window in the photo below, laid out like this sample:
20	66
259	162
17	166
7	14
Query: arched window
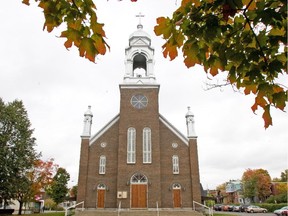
175	164
176	186
147	146
102	164
131	145
139	61
139	178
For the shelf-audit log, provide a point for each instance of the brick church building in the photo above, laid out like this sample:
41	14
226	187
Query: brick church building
139	158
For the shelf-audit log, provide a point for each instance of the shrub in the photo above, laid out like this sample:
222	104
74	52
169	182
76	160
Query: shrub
272	207
281	198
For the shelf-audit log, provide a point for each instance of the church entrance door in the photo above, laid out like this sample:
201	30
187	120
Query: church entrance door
177	195
139	191
101	195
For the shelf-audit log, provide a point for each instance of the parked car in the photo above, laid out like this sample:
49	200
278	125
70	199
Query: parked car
225	207
217	207
255	209
284	213
236	208
279	211
230	207
243	207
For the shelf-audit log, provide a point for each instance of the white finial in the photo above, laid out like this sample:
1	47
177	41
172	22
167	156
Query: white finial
87	122
190	124
139	16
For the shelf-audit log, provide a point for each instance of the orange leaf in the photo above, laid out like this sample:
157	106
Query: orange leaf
99	44
68	43
184	2
267	117
261	101
254	107
170	50
250	88
26	2
87	49
163	27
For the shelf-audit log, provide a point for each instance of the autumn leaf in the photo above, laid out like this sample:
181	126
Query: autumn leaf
250	88
87	49
163	28
267	117
27	2
279	100
170	50
99	44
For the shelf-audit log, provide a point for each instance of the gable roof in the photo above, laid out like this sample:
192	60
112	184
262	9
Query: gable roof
173	129
105	128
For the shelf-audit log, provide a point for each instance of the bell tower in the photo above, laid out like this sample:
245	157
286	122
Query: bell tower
139	58
139	121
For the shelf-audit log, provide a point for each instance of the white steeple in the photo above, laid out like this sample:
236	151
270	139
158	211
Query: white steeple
87	123
139	58
190	124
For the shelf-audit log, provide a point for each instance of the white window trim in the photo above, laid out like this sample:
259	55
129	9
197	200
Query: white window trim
102	165
175	164
147	146
131	145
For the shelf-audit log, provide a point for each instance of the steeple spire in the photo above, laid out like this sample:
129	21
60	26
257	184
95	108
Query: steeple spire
140	26
87	123
191	134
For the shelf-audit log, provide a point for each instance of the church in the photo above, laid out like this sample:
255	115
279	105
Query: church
138	159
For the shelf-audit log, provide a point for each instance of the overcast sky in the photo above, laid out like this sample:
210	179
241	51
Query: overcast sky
57	86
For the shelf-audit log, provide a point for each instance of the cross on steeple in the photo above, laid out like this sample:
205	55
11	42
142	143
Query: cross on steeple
140	16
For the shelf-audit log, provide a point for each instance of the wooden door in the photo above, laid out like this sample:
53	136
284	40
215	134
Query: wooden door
139	196
177	198
100	198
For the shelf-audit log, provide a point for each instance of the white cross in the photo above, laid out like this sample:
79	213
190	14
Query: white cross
140	15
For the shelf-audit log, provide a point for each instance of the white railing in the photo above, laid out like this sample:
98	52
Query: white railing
157	208
82	209
210	211
119	208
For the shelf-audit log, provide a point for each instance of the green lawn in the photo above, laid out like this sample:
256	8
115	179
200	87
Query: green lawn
219	214
50	214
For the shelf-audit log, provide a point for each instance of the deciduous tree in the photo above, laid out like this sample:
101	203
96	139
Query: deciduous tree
256	184
41	176
59	189
17	153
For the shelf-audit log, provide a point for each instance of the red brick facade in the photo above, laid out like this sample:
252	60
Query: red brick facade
159	173
106	177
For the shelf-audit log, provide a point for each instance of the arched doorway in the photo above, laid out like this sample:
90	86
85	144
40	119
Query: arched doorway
101	188
176	188
139	191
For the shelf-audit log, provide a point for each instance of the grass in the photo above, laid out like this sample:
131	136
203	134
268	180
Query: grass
50	214
219	214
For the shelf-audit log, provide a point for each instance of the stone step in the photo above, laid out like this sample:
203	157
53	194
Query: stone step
153	212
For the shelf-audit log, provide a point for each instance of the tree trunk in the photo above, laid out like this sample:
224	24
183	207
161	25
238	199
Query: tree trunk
20	207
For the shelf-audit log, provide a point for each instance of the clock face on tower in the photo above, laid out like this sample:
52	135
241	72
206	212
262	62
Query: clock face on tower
139	101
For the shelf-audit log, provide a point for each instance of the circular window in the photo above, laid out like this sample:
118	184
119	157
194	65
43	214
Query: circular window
103	144
139	101
174	145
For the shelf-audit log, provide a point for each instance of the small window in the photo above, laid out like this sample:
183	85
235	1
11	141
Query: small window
102	165
147	152
131	145
175	164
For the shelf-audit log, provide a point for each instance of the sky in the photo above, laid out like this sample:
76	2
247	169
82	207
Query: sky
56	87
